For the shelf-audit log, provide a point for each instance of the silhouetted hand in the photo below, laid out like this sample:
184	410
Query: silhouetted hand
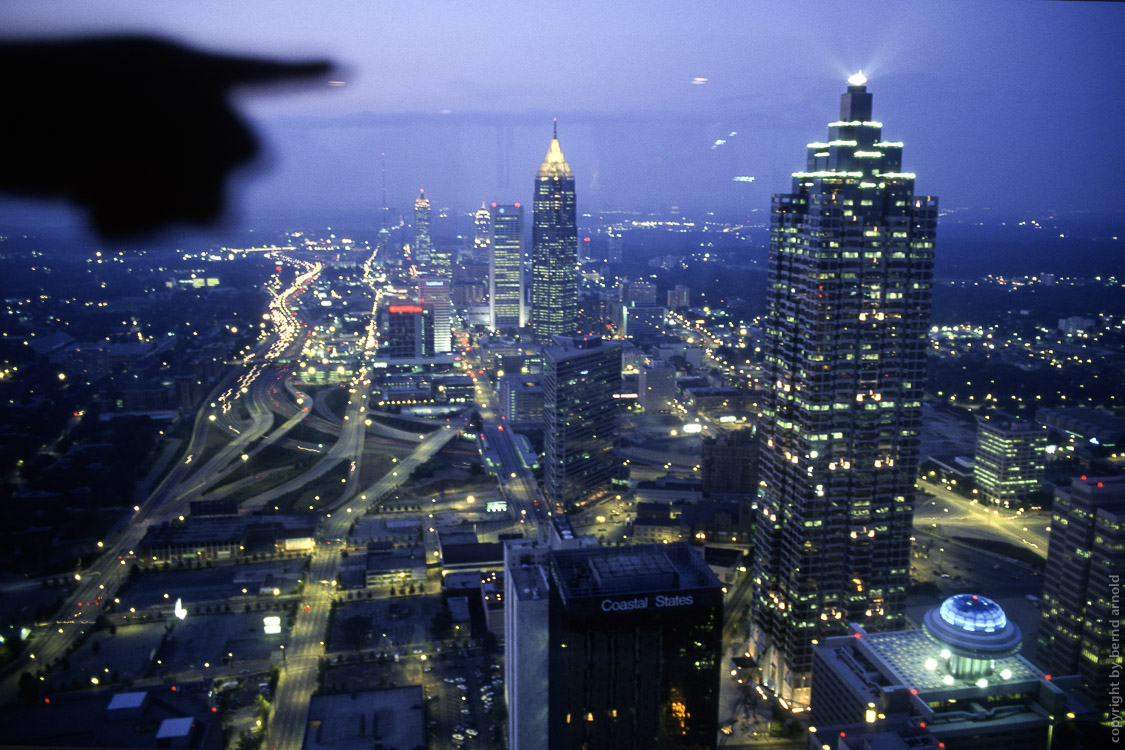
139	131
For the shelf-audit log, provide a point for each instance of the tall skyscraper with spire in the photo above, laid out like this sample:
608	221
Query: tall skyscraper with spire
482	232
554	248
848	303
505	268
423	248
383	241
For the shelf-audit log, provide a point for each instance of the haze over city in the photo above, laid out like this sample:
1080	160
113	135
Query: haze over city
1009	109
561	375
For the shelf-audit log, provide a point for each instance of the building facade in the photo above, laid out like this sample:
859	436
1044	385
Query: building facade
1078	633
554	249
957	682
656	387
435	293
405	331
580	378
505	268
625	655
482	233
422	249
848	300
1010	460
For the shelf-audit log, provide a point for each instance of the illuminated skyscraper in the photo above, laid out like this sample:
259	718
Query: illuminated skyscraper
1079	630
505	268
482	237
1010	459
423	248
434	293
848	302
554	249
581	376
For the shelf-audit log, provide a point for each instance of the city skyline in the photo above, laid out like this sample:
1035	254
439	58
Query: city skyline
653	130
601	450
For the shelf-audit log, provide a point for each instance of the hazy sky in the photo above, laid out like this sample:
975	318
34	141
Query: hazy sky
1012	106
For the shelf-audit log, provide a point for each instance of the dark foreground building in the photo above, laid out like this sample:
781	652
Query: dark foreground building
634	643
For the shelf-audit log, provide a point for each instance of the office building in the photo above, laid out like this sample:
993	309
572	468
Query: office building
422	250
580	378
612	647
434	293
678	297
848	300
527	597
1079	632
521	399
1010	459
405	331
638	292
554	249
958	682
656	386
482	233
505	268
730	463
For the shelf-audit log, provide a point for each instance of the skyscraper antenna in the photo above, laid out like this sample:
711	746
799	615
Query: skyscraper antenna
556	128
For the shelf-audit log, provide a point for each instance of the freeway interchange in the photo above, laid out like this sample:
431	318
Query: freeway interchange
255	405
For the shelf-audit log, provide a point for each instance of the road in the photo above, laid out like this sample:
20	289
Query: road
951	515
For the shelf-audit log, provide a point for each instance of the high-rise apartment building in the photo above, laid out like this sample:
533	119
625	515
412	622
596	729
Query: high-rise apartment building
580	378
848	301
554	249
1079	632
422	249
505	268
612	647
1011	458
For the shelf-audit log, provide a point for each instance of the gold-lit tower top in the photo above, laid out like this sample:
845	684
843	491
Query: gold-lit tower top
554	164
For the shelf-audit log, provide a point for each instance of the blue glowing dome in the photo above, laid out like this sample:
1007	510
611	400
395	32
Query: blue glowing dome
972	626
973	613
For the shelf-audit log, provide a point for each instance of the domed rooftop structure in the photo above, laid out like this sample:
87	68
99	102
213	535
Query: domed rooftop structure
974	631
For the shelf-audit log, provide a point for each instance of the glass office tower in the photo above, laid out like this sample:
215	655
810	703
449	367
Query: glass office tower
554	249
848	301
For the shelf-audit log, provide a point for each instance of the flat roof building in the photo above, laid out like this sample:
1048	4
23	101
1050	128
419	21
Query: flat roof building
959	678
580	378
625	643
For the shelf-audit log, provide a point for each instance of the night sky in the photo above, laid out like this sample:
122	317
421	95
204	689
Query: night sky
1013	107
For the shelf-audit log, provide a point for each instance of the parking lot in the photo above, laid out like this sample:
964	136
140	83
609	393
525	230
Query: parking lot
469	701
